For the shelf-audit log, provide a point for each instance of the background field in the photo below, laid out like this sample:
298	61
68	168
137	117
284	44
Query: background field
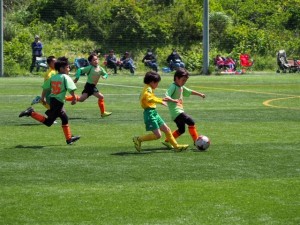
249	175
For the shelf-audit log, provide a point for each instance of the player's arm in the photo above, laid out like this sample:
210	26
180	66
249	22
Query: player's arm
198	94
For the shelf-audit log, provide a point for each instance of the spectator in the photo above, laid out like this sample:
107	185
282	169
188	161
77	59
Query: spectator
175	60
37	48
150	60
127	63
112	61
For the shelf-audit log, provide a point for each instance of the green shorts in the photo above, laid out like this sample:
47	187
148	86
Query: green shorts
152	120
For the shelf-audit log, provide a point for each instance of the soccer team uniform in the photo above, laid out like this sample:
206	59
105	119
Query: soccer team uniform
93	75
177	112
148	102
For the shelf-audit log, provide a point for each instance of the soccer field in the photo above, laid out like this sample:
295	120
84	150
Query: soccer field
249	175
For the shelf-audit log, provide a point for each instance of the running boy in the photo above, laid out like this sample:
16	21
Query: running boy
152	119
51	71
177	90
59	85
94	72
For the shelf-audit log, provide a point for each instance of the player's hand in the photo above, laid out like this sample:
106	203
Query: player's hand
73	102
202	95
169	99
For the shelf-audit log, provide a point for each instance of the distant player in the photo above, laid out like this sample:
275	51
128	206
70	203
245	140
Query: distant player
152	119
177	91
59	85
51	71
94	72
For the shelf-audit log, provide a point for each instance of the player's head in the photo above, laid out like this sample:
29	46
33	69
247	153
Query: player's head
51	60
181	72
61	65
93	59
151	76
63	58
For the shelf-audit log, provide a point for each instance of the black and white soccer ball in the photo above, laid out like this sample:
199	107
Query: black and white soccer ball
202	143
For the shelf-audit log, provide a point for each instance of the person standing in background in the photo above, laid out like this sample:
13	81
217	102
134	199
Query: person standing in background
37	48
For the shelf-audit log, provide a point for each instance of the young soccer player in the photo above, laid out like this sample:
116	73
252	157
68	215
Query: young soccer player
152	119
177	90
94	72
59	85
51	71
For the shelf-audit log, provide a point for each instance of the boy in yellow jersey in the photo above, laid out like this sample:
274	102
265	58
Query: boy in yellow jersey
152	119
51	71
94	72
59	84
177	91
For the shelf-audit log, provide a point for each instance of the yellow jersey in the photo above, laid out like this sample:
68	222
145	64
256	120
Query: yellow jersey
148	99
50	72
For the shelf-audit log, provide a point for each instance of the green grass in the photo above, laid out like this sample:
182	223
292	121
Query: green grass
249	175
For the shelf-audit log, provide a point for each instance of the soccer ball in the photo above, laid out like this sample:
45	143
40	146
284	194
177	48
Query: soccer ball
202	143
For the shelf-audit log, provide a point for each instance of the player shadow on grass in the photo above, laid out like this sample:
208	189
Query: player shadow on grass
34	146
144	151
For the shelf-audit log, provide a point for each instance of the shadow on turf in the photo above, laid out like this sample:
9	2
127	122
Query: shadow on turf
33	146
144	151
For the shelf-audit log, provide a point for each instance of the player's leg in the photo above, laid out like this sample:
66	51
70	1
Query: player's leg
101	104
164	128
70	139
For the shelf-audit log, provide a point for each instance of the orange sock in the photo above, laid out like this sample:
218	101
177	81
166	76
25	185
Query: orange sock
70	98
38	117
67	131
193	132
101	105
175	134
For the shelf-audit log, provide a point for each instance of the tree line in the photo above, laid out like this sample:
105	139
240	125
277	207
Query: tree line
259	28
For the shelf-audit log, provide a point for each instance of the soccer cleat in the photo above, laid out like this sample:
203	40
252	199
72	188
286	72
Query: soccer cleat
105	114
181	148
72	140
26	112
36	100
167	144
137	143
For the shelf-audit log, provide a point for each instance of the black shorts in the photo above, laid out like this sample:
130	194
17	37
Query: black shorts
183	119
90	89
56	110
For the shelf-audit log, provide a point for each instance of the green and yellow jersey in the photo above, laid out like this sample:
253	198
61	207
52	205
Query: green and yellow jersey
148	99
50	72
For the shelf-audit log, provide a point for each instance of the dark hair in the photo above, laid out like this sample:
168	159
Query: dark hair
151	76
91	56
60	64
50	59
63	58
181	72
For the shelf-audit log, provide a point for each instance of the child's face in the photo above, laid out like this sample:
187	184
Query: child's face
153	84
51	64
64	70
181	81
94	61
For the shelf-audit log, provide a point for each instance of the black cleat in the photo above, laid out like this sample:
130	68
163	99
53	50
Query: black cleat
72	140
26	112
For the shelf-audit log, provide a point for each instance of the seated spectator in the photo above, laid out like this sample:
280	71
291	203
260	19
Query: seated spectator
230	63
219	61
127	63
175	60
111	61
150	60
